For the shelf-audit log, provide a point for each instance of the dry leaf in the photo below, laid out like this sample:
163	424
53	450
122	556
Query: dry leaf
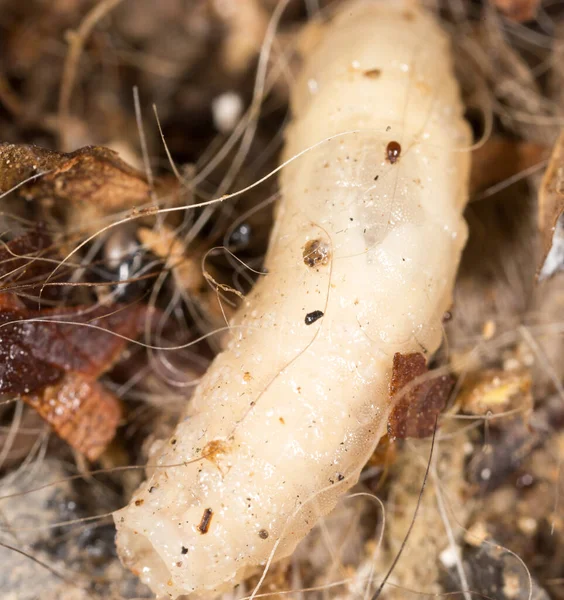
551	213
83	186
35	353
418	407
81	411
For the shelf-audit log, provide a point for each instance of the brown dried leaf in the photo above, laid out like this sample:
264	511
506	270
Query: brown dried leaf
551	213
415	412
81	411
21	161
518	10
500	159
93	176
35	353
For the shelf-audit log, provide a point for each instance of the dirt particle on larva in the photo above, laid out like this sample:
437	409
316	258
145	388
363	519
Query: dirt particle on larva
263	534
316	252
204	525
214	448
179	563
340	476
281	419
393	151
247	377
373	73
139	502
313	316
184	550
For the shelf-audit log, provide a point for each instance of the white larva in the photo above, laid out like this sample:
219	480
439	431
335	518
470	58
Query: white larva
365	249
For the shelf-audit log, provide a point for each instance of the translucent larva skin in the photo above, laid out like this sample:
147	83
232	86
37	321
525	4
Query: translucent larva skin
367	233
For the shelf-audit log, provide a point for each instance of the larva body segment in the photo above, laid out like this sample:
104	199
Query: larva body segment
361	265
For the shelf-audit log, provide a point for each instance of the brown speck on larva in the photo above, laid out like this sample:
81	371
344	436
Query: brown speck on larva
316	252
139	502
373	73
263	534
393	151
204	525
184	550
247	377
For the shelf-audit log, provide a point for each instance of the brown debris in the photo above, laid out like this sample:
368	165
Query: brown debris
415	412
34	353
213	449
518	10
551	211
92	174
495	392
52	357
500	159
54	366
81	411
204	525
25	262
165	244
316	252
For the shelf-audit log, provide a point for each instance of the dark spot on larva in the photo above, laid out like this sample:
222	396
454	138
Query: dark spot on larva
152	489
393	151
340	476
312	317
373	73
139	502
263	534
179	563
204	525
316	252
173	441
184	550
376	178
